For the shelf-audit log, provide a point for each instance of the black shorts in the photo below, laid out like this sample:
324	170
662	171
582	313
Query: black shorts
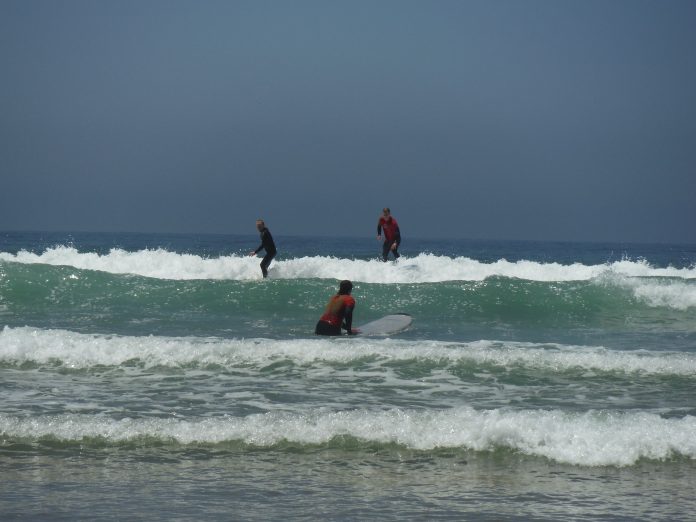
324	328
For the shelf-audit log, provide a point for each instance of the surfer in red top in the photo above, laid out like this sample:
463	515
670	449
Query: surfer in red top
338	313
392	235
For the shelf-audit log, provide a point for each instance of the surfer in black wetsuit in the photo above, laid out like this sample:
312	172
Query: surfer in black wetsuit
267	244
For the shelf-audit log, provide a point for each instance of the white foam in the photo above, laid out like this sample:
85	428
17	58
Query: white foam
656	291
157	263
423	268
589	439
673	294
76	350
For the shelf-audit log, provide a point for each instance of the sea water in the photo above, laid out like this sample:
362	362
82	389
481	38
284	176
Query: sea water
149	376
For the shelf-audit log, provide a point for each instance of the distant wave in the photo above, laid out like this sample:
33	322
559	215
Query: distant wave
626	281
591	438
63	348
423	268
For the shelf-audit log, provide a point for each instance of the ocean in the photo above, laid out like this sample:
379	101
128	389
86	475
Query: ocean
159	377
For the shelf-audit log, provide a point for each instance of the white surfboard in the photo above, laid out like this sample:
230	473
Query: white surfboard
387	325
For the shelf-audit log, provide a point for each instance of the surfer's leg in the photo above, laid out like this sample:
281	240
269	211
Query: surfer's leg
385	251
264	264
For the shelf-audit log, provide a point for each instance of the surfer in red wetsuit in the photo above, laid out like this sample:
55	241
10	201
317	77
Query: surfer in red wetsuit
338	313
392	235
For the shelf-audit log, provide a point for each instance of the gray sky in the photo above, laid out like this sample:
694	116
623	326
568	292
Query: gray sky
571	120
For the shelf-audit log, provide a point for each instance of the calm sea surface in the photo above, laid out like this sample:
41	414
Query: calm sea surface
148	376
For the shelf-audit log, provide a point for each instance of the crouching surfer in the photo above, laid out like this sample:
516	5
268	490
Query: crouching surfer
338	313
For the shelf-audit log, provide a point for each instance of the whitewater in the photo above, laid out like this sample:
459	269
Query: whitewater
422	268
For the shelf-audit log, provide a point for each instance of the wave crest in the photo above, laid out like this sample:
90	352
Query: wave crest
423	268
593	438
73	350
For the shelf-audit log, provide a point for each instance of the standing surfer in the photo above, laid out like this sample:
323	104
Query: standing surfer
392	235
267	244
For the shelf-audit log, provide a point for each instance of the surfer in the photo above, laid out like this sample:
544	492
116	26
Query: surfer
392	235
267	244
338	313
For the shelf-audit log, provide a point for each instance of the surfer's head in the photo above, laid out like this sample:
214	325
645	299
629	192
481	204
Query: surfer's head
345	288
260	225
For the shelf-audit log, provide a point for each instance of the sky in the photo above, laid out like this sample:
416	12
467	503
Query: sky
495	119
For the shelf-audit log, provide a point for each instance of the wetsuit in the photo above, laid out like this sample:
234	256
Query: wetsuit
338	313
391	235
268	245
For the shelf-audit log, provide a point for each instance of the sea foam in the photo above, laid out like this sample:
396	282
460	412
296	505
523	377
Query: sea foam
423	268
79	351
593	438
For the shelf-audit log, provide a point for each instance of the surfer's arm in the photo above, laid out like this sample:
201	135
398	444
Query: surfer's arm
397	236
264	241
348	320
